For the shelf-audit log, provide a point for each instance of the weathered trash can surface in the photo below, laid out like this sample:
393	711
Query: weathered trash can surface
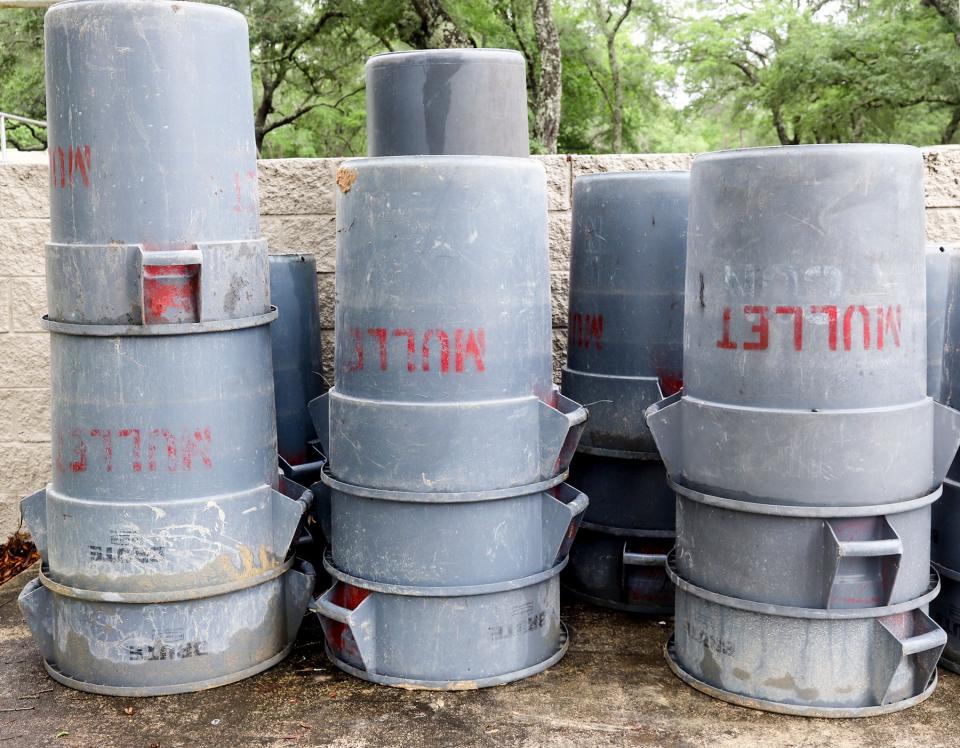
815	557
804	661
624	352
176	647
625	331
620	569
297	353
805	322
804	449
153	183
166	516
150	120
944	269
171	478
443	356
493	634
628	492
940	275
453	102
945	610
452	539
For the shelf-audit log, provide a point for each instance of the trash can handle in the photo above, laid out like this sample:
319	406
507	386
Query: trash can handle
355	642
150	296
33	513
288	512
913	658
561	424
643	559
325	608
562	511
887	549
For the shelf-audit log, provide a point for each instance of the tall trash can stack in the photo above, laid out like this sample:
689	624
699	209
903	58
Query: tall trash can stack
445	505
943	298
297	363
803	447
165	530
624	353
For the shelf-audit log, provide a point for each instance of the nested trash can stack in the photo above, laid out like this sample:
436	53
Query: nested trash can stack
297	362
165	530
447	513
941	276
624	353
804	450
943	297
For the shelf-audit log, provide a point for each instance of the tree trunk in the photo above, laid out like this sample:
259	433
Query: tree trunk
440	30
951	130
549	80
781	129
264	110
617	93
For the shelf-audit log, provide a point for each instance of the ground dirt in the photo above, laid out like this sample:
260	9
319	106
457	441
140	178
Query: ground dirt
16	555
612	689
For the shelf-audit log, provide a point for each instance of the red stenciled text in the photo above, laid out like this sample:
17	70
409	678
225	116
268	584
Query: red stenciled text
245	192
70	167
586	330
853	327
135	450
382	348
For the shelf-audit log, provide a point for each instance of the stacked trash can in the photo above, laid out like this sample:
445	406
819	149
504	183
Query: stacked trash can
163	534
940	274
447	513
943	316
297	362
624	353
803	447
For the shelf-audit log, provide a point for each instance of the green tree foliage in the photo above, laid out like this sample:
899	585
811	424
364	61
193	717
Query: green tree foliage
819	72
21	76
632	75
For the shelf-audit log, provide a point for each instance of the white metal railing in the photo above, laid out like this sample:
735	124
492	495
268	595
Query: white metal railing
3	130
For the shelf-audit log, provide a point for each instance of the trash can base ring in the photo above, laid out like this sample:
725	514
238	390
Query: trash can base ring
795	710
455	685
137	691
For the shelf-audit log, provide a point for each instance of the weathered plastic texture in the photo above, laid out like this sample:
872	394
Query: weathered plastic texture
950	368
806	661
831	557
450	539
945	610
805	331
448	638
164	459
628	492
624	571
134	649
447	102
297	354
945	545
625	331
153	176
940	277
443	355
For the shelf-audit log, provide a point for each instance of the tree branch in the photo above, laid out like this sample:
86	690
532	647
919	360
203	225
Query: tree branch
623	17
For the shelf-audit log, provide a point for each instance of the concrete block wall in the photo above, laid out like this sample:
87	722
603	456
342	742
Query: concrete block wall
297	199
